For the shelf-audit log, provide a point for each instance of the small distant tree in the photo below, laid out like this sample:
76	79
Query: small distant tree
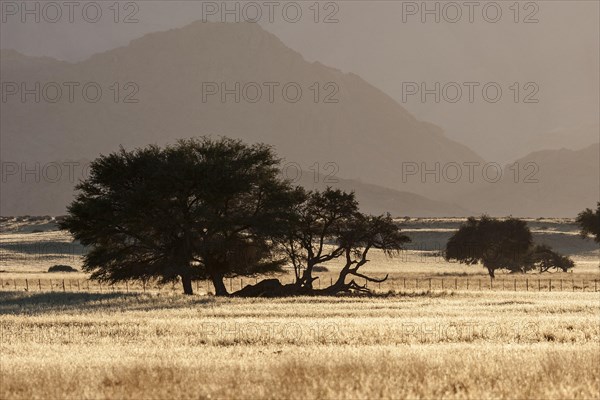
501	244
203	208
589	222
543	258
495	243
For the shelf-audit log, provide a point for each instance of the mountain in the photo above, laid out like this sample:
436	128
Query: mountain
155	90
366	133
572	138
558	183
20	66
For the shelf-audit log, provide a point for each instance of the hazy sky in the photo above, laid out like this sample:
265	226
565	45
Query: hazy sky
543	56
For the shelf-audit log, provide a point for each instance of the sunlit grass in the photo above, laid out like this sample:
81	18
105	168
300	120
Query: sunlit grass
418	345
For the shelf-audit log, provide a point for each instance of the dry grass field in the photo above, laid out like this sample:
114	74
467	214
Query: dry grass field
409	345
404	342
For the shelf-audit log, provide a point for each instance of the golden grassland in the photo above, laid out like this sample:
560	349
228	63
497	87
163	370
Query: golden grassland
541	340
416	344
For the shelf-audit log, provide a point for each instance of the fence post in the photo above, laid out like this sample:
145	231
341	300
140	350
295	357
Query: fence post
515	284
539	285
595	284
527	284
429	284
550	285
404	282
479	281
63	285
467	283
26	285
241	283
78	288
40	284
15	283
331	282
442	283
455	283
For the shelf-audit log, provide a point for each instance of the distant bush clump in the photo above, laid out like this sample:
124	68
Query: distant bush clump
320	268
61	268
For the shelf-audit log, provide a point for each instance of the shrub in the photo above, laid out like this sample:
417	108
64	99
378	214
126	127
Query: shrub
61	268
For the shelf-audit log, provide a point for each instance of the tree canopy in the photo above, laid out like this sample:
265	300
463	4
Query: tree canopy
326	226
589	222
501	244
202	208
543	258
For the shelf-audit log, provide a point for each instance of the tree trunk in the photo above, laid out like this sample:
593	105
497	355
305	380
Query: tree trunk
219	284
307	279
186	280
339	284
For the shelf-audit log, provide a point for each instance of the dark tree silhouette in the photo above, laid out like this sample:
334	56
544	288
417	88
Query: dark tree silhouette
496	244
313	230
357	238
543	258
202	208
501	244
325	226
589	222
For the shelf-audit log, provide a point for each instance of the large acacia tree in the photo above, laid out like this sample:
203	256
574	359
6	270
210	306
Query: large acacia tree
203	208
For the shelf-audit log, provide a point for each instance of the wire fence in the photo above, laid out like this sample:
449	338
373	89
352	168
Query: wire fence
233	284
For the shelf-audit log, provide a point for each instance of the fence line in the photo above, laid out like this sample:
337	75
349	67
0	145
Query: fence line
406	284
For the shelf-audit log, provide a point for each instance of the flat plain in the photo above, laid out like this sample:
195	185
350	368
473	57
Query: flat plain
409	342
